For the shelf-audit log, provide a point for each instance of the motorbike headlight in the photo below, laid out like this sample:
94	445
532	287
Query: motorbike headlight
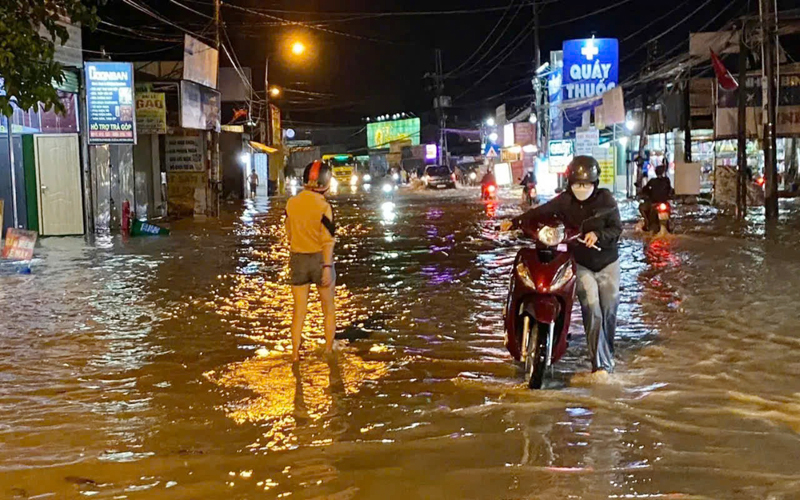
473	176
334	184
367	178
551	236
387	188
353	180
525	275
563	276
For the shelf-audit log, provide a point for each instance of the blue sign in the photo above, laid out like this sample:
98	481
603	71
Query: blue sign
591	67
491	150
110	108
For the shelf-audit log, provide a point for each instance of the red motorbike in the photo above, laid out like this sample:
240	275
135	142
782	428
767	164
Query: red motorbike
489	192
540	298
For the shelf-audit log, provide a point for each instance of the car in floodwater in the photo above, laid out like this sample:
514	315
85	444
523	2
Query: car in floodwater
439	177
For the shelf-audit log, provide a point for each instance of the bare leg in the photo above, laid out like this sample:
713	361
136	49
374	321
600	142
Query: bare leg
300	294
327	296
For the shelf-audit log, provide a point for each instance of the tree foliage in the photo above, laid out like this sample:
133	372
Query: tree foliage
27	67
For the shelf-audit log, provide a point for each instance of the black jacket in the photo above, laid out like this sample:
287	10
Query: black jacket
573	213
658	190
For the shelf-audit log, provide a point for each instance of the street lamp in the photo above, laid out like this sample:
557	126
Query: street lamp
490	121
298	48
274	92
493	137
630	124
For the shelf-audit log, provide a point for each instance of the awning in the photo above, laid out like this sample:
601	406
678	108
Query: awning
262	147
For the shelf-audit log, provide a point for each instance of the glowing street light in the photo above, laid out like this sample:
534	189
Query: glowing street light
630	124
298	48
274	92
493	137
490	121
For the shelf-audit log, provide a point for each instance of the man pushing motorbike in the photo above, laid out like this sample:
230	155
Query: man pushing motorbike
593	212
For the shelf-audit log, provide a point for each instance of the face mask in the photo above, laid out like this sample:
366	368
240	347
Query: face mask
582	193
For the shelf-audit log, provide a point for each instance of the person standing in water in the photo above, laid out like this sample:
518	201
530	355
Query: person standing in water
310	228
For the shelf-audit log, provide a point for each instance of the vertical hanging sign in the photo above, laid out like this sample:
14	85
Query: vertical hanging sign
110	109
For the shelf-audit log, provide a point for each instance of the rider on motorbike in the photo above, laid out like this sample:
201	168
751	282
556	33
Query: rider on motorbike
594	213
658	190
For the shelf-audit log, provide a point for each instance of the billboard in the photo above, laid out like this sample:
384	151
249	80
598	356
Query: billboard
275	125
109	103
591	67
788	108
200	62
200	107
381	134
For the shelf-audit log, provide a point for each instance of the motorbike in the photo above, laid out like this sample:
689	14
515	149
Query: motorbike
659	218
540	298
529	194
488	192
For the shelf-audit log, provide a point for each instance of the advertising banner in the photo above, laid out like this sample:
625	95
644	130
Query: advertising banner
200	107
19	244
788	108
524	133
275	125
109	103
586	140
561	154
605	157
151	113
381	134
184	153
591	67
200	62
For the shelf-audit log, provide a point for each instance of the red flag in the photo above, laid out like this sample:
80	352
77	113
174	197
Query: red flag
725	78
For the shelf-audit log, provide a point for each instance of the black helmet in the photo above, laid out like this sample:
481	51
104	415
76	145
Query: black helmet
317	176
583	169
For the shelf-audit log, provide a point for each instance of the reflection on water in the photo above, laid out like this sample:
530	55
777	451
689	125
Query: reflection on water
160	367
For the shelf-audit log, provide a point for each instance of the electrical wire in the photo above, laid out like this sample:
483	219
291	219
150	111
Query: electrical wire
654	21
589	14
494	28
191	9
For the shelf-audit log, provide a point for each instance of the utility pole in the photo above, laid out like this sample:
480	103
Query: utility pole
537	86
741	180
215	177
768	107
440	112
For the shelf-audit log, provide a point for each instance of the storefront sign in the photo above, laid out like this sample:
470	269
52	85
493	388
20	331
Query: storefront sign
591	67
380	135
19	244
560	155
151	113
184	153
200	107
524	133
109	102
605	158
586	140
788	112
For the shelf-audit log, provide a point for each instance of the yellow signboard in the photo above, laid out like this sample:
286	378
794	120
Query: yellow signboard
151	113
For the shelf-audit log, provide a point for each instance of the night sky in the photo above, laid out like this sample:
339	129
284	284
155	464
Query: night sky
361	65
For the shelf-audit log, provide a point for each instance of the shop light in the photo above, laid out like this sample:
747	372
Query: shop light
515	149
493	137
630	124
490	121
244	158
530	148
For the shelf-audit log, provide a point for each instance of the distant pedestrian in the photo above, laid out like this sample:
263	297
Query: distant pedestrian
253	183
309	226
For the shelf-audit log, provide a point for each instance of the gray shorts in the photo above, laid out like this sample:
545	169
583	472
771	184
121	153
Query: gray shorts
306	268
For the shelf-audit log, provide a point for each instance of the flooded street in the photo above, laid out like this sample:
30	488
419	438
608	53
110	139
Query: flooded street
159	368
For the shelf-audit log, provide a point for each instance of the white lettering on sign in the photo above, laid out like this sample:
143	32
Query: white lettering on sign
96	74
583	90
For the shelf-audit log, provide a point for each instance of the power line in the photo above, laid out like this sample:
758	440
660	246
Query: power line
489	36
654	21
598	11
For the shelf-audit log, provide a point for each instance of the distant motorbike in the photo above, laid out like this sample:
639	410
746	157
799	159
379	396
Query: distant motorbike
540	298
529	194
658	219
488	192
471	178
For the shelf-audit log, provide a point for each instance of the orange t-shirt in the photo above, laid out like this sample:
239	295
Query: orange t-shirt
309	221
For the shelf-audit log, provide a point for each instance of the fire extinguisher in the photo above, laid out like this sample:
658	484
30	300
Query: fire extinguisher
126	217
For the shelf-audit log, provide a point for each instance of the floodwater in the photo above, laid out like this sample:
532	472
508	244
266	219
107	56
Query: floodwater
159	368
